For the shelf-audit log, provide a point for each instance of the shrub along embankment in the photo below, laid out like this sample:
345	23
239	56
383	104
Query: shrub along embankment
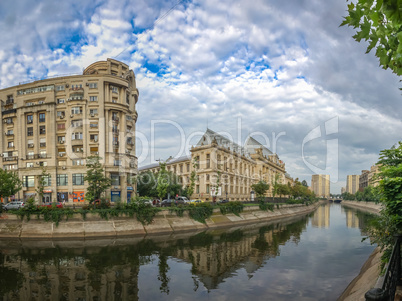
122	222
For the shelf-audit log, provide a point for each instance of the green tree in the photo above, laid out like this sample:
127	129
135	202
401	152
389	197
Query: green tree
147	183
379	22
260	189
97	181
163	181
389	223
283	189
43	181
304	183
193	177
275	184
10	184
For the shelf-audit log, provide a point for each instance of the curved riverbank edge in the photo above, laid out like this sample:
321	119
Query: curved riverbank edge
369	273
11	227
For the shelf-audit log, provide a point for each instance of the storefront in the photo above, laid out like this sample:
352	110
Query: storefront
115	196
129	193
28	195
47	196
78	196
62	197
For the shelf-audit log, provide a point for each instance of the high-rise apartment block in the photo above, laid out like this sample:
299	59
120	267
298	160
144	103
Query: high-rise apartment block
56	124
352	183
320	185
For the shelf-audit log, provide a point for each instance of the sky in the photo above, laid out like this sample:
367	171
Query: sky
283	72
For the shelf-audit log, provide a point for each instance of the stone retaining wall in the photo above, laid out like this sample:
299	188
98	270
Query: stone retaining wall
93	226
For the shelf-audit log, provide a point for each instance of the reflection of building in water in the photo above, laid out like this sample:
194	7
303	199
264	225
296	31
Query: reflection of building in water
321	217
219	260
352	220
72	279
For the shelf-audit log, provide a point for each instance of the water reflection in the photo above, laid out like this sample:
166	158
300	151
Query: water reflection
133	269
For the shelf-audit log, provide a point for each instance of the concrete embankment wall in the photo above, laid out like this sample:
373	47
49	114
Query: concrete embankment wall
93	226
370	271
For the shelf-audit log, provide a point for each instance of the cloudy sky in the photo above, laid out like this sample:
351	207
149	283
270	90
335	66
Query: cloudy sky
281	71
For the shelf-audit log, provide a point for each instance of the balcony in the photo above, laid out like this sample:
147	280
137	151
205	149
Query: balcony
10	111
30	145
43	144
7	159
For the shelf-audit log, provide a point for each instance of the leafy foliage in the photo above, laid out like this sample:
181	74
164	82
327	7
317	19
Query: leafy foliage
163	181
200	212
42	183
97	181
379	22
232	207
389	223
260	189
266	206
10	184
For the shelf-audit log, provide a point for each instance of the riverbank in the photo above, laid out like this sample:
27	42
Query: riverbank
370	271
165	222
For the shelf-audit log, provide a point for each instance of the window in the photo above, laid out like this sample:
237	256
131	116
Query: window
207	188
128	99
30	164
60	100
60	88
114	89
115	179
42	130
76	136
130	141
115	129
93	85
188	167
30	155
197	190
10	143
76	110
208	161
62	180
93	111
42	142
117	163
78	162
76	123
93	125
76	87
78	149
42	154
60	114
42	117
207	177
116	141
61	126
61	139
10	166
42	163
10	133
94	137
9	120
47	180
30	143
30	131
28	181
115	116
78	179
93	98
29	118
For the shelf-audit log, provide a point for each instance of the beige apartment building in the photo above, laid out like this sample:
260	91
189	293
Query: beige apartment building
226	170
352	183
55	124
320	185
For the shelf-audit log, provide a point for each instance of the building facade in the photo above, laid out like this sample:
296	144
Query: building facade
364	179
56	124
352	183
320	185
226	170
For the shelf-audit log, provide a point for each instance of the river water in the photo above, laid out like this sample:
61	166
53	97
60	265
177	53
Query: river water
312	257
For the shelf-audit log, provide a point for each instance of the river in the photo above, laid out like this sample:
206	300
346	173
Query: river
312	257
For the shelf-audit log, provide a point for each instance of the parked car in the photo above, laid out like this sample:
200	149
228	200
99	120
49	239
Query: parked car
195	201
167	203
55	204
223	201
181	200
15	205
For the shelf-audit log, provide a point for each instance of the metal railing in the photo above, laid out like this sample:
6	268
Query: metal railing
385	288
